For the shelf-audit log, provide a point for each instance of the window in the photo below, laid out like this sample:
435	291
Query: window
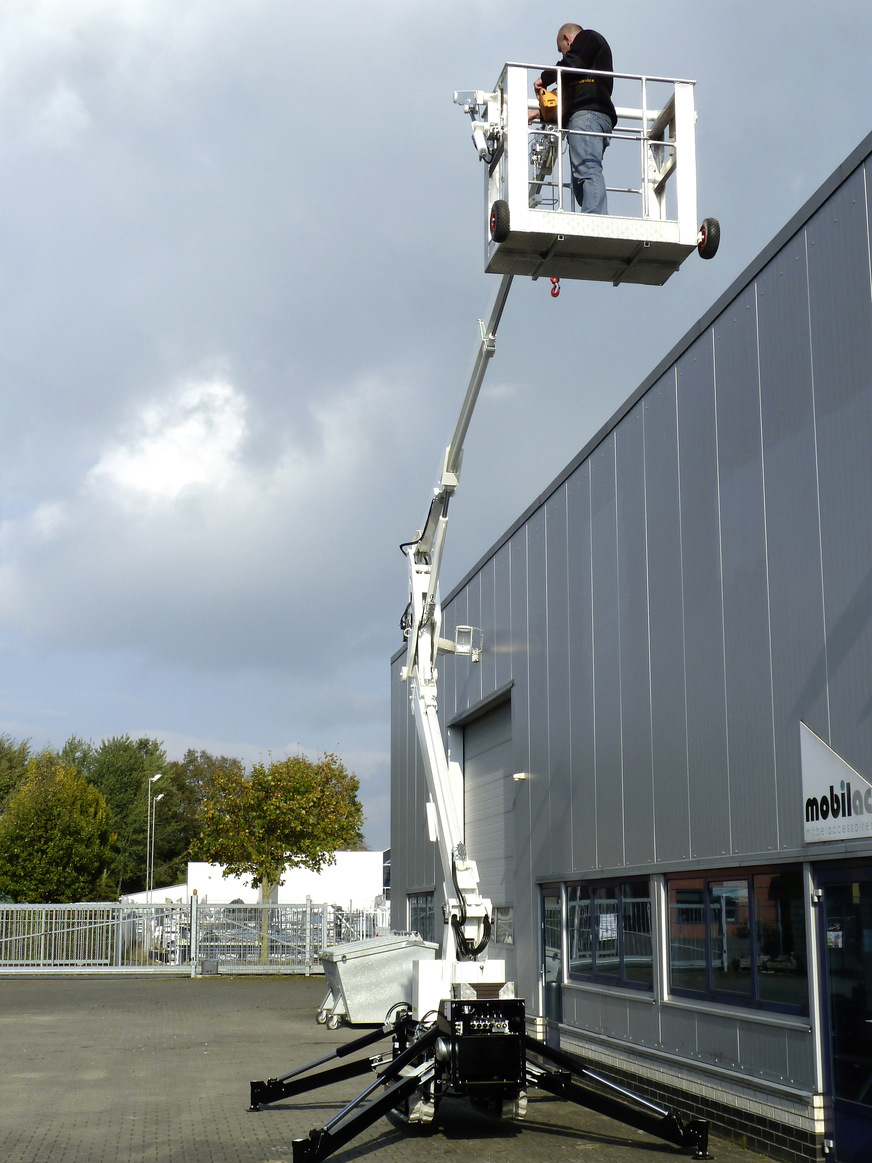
504	925
740	939
421	916
609	928
552	937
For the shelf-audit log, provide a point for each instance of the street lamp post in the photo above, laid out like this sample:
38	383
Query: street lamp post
149	853
154	804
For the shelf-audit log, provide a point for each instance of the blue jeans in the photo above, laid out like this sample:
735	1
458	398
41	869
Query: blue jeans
586	159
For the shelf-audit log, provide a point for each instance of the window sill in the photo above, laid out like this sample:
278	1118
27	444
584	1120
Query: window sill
746	1013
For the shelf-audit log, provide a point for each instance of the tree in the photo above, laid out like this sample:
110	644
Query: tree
79	754
293	813
185	786
121	768
13	765
55	836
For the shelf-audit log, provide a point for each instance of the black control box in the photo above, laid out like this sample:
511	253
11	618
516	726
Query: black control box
485	1044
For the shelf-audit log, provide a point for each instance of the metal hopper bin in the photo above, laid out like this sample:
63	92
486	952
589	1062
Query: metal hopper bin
368	978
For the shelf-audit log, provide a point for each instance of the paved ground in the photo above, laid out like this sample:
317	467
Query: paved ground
142	1069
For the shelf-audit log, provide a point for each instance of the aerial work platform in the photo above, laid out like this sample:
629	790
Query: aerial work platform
457	1028
533	226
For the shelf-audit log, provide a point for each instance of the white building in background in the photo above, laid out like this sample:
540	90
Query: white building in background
355	882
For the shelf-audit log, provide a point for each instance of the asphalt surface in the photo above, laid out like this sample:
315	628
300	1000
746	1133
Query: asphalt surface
141	1069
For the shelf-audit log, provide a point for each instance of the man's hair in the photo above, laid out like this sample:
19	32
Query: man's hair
570	30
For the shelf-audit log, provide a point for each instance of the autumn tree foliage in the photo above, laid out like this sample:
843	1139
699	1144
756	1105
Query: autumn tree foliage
294	812
55	836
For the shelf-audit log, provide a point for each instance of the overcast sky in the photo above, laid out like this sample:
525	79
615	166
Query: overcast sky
241	269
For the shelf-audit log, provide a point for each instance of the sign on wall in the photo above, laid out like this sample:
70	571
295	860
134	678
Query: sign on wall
837	800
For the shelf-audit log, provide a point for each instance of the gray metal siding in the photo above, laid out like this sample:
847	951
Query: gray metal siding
632	591
489	796
537	694
582	854
841	338
796	628
609	794
742	515
709	787
666	603
697	582
559	736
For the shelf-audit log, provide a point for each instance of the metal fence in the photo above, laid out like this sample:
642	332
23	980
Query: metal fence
177	938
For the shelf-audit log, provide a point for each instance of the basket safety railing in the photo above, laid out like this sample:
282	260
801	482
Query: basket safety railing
650	165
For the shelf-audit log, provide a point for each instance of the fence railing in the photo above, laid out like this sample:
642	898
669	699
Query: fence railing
177	938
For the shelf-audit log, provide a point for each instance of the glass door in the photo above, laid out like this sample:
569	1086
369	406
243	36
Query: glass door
847	939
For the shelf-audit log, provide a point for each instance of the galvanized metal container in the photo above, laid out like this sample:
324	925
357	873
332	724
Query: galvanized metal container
366	978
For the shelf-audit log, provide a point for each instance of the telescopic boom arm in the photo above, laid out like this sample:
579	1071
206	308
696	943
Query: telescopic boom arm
467	914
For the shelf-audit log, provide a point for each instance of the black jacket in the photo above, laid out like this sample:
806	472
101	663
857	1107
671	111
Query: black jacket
589	50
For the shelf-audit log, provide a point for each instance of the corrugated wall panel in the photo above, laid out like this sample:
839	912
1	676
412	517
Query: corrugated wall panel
665	596
559	752
703	620
487	668
606	647
470	677
842	351
537	647
502	640
451	675
526	893
580	616
748	672
519	635
634	655
792	522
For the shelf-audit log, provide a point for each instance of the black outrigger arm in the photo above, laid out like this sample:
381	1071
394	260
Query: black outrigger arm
398	1078
475	1048
301	1080
599	1094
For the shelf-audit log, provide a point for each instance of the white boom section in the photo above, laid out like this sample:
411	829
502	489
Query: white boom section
468	919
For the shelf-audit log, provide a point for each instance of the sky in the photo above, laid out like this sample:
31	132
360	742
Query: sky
241	268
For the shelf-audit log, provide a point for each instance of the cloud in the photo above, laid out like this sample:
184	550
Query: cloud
190	440
187	540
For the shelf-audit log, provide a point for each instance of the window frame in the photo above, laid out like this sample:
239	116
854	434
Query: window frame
678	913
601	931
418	903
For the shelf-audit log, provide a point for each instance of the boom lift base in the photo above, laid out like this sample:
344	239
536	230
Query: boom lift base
475	1048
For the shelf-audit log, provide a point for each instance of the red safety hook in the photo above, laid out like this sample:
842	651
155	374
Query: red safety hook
555	288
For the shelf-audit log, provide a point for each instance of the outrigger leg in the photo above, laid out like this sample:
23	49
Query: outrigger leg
409	1070
296	1082
614	1101
445	1059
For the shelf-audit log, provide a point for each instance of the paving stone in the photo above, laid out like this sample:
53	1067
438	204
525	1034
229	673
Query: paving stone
140	1069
